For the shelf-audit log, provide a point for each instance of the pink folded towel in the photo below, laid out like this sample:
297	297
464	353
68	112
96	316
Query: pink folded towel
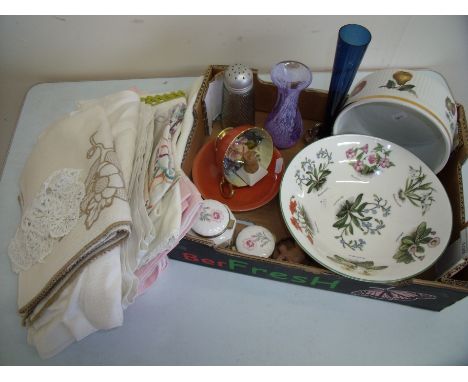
191	201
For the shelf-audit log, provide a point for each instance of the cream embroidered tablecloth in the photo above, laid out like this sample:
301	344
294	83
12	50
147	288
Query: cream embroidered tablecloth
76	206
82	142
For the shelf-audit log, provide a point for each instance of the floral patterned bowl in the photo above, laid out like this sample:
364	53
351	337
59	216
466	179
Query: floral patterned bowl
366	208
414	109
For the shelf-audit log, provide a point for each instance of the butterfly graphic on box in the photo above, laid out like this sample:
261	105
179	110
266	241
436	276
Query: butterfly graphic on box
391	294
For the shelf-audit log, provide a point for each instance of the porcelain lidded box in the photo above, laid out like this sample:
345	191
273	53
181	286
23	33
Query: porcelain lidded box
412	108
255	240
215	222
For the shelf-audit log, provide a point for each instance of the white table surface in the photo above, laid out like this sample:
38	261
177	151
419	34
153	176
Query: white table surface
195	315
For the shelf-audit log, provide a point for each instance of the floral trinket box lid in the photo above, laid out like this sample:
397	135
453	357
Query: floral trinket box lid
213	219
256	241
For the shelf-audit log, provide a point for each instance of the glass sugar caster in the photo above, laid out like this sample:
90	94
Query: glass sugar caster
238	96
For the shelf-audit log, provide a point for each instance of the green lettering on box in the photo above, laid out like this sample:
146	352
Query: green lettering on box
279	275
299	279
332	285
233	264
255	269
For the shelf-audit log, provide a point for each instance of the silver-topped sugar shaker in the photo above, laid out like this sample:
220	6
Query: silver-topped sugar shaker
238	96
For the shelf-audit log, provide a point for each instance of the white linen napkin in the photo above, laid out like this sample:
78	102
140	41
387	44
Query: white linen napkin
155	195
142	233
89	303
187	124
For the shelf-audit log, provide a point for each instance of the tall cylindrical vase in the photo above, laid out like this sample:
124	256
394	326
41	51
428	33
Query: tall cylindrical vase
351	46
284	123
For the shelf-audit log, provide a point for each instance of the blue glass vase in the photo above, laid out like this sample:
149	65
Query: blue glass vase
284	123
351	46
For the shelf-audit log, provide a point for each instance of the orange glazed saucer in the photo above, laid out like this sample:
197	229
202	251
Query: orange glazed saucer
206	176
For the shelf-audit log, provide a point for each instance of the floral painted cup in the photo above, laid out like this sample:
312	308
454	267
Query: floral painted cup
414	109
215	222
231	145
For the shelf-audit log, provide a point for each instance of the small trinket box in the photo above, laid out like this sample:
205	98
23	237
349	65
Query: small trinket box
216	222
256	241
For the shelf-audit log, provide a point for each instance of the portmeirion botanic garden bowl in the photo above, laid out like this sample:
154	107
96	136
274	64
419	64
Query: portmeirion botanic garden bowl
366	208
412	108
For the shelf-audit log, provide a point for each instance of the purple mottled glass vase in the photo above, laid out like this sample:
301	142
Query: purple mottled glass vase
284	123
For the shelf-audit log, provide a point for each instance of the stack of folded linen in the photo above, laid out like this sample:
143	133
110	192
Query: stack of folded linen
104	200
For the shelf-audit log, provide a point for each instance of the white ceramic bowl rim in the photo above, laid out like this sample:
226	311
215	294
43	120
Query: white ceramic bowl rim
438	125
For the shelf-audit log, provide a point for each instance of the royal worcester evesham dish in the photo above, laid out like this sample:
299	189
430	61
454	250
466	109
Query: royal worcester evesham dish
365	208
414	109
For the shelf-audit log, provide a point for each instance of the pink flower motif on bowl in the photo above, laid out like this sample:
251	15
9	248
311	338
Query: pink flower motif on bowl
372	159
368	162
350	153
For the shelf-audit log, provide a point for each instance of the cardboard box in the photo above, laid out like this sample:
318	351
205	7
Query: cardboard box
422	292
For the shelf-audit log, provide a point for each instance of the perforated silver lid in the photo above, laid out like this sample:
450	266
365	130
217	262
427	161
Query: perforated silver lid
238	78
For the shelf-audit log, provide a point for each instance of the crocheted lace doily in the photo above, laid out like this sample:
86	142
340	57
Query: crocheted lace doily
52	214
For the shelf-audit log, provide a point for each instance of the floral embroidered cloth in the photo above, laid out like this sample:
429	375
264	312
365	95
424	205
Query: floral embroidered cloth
155	198
91	301
113	160
72	180
122	111
157	195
